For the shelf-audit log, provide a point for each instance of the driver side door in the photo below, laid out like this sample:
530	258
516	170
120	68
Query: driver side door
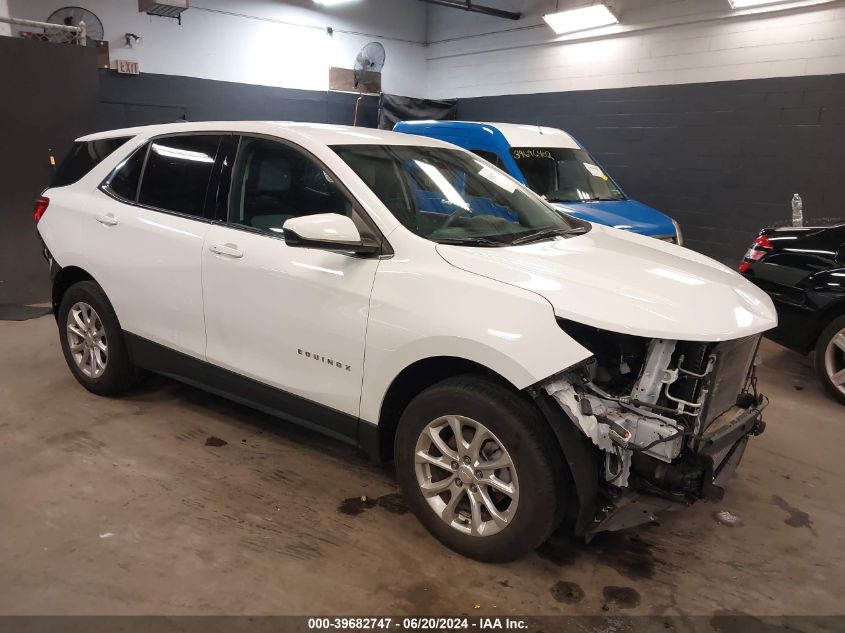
289	318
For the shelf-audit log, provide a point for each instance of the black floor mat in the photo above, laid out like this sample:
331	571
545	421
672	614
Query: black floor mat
12	312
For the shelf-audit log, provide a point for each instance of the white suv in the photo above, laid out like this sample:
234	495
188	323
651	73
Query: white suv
524	368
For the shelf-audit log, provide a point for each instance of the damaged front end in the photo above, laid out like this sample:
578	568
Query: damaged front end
669	419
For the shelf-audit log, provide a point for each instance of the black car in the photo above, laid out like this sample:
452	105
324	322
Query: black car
803	271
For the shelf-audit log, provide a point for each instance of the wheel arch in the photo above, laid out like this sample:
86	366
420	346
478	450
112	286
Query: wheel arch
64	278
411	381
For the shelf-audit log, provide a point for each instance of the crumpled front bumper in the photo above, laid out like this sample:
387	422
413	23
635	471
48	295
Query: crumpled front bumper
719	451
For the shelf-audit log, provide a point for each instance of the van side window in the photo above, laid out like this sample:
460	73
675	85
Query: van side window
490	157
272	182
124	180
83	157
177	173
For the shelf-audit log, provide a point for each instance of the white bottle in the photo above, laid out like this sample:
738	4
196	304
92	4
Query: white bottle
797	211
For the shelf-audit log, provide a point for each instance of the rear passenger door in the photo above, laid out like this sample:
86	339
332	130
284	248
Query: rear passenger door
152	228
292	318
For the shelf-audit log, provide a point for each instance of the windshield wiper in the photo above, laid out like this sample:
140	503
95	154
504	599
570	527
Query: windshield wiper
468	241
548	234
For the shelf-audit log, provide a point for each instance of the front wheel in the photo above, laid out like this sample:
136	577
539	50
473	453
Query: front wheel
830	358
477	466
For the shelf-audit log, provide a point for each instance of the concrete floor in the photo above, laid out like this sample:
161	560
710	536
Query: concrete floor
132	506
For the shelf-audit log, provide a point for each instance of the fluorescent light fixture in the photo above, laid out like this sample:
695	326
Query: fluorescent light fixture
331	3
744	4
580	19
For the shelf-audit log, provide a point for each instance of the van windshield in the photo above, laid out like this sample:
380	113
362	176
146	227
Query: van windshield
453	197
565	175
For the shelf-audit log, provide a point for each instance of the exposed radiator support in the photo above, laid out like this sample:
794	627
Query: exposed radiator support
468	5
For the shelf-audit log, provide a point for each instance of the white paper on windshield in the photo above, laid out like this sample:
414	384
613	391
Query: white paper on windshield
498	179
595	170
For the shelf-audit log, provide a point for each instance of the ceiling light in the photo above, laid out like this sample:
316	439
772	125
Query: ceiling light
581	19
331	3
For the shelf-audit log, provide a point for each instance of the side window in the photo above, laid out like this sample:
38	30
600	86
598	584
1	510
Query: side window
83	157
124	180
177	173
272	182
490	157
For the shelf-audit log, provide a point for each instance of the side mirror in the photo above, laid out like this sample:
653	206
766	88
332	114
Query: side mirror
329	232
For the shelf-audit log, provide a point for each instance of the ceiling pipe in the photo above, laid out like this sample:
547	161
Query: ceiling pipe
467	5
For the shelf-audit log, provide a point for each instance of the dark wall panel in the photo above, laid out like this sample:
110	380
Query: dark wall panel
49	98
722	158
127	100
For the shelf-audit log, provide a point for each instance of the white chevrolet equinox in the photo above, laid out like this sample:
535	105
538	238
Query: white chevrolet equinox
525	369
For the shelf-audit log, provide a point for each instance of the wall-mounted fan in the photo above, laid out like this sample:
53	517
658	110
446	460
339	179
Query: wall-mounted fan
368	65
72	16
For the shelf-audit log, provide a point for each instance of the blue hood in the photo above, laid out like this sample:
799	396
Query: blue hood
623	214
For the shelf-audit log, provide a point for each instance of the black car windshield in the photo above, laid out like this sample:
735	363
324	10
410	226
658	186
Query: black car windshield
565	175
451	196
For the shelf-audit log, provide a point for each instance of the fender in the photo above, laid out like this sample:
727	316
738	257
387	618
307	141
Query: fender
509	330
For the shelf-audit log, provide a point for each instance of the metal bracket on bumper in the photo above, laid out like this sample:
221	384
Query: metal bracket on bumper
722	445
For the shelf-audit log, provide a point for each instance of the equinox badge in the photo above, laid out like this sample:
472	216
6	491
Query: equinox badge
323	359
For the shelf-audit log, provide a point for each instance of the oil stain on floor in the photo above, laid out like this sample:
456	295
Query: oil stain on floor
393	503
567	592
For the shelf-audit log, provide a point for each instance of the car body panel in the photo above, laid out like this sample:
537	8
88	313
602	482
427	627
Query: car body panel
293	318
146	263
804	274
647	288
423	307
499	138
628	215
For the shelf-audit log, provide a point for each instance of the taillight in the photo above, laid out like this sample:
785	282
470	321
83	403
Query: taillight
759	248
41	204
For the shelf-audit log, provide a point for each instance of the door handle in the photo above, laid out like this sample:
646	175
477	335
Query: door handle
107	219
229	250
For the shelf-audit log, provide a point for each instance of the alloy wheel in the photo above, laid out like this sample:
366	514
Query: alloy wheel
834	360
86	337
466	475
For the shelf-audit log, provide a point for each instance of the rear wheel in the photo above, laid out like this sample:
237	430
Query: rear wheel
476	466
830	358
92	341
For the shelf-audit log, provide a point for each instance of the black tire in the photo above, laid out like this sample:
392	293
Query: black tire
832	329
524	435
119	374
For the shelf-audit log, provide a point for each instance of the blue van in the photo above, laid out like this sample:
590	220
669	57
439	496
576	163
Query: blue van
552	163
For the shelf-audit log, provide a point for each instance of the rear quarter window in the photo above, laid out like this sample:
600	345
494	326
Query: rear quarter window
83	157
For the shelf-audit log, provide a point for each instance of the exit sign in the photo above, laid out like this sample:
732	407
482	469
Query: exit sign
125	67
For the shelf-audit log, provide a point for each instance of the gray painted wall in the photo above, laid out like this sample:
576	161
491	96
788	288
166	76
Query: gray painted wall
144	99
722	158
50	98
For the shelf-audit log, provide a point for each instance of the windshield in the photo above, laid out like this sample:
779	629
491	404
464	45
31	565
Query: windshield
452	196
565	175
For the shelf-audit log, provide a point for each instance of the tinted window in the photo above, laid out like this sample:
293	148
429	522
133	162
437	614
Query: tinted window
490	157
177	173
124	180
272	182
83	157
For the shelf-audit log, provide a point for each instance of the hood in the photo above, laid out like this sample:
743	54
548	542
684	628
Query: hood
629	215
623	282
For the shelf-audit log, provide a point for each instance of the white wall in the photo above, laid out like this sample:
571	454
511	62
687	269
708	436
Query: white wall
276	43
659	42
4	12
265	42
